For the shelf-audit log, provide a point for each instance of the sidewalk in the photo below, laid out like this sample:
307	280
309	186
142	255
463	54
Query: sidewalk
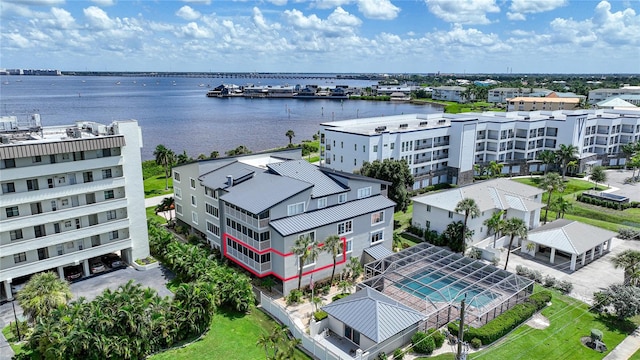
626	348
155	201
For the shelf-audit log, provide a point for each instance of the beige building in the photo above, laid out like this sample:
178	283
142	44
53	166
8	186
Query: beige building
542	103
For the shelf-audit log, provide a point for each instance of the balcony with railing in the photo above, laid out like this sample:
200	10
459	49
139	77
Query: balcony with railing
493	135
602	130
440	156
422	159
492	147
61	168
256	244
480	146
441	143
521	145
521	133
601	140
481	135
628	129
424	144
247	218
240	257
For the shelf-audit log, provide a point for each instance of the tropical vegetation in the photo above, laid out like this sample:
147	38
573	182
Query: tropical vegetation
396	172
550	182
514	227
42	294
307	250
165	157
468	207
629	261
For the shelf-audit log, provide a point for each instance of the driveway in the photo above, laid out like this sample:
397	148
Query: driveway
615	180
90	288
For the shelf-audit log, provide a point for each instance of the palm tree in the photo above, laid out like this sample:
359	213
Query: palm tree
290	134
598	175
628	150
165	158
514	227
306	249
334	246
629	260
562	205
264	340
547	157
469	207
214	154
494	224
165	206
183	158
495	168
480	169
566	153
550	183
42	294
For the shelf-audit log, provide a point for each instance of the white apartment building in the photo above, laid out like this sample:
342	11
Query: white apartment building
444	147
69	194
500	95
253	208
627	93
451	93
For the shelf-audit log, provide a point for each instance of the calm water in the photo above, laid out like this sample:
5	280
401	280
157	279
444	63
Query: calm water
175	111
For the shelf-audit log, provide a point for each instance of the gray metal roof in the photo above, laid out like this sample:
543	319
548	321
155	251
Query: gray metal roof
378	252
303	170
216	177
263	191
373	314
569	236
313	219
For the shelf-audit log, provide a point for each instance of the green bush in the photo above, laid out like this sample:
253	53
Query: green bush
438	337
422	343
398	354
507	321
475	343
320	315
294	297
339	296
596	335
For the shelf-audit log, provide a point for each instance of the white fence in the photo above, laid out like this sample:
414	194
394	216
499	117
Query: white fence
308	342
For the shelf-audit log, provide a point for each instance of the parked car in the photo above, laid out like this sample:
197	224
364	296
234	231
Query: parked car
72	272
96	266
112	260
17	287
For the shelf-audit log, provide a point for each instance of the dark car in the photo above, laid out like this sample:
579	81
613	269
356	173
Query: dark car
112	260
73	272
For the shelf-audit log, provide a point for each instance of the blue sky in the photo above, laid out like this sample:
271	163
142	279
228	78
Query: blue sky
377	36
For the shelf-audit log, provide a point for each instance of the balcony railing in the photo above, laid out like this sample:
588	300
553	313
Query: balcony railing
60	168
249	262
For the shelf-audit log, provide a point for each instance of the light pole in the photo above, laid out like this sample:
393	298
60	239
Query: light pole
15	316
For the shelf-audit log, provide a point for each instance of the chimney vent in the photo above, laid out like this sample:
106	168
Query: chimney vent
229	180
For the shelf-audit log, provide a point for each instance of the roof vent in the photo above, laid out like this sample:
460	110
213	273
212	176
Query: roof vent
442	121
404	126
527	118
229	180
551	117
423	123
381	129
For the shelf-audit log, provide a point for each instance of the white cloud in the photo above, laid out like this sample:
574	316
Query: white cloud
201	2
188	13
278	2
18	40
62	19
330	4
519	8
260	21
378	9
192	30
463	12
337	23
104	3
98	18
618	27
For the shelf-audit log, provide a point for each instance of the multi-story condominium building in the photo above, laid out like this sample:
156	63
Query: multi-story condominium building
69	194
253	208
542	103
597	95
451	93
500	95
436	211
445	147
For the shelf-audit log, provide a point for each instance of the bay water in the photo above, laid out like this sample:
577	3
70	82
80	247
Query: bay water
175	111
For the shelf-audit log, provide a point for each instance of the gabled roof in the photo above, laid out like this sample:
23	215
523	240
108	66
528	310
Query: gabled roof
313	219
570	236
615	102
372	314
499	194
303	170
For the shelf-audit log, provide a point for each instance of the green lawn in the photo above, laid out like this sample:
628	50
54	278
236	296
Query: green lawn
403	219
635	356
231	336
447	356
570	320
152	215
155	186
605	218
8	334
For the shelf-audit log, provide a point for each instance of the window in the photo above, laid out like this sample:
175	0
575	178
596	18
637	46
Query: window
108	194
65	202
176	176
212	210
12	211
15	234
322	202
355	147
39	231
375	148
194	202
450	215
193	183
377	218
9	163
67	224
194	217
342	198
352	335
377	237
294	209
179	209
364	148
32	184
106	152
18	258
111	214
106	173
429	208
349	245
177	192
392	145
87	176
37	159
114	235
8	188
60	249
210	193
213	229
364	192
428	224
345	227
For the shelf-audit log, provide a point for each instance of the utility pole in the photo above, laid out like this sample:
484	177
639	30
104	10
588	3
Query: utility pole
461	331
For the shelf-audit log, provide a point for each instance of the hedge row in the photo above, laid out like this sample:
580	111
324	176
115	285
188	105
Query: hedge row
507	321
608	204
548	281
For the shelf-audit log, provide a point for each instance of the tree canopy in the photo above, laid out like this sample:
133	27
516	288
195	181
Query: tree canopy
42	294
396	172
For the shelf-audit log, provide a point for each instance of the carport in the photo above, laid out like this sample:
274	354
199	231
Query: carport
569	237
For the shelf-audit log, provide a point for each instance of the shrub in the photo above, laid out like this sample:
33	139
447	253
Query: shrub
474	253
549	281
398	354
629	234
381	356
320	315
564	286
438	337
294	297
422	343
475	343
596	335
339	296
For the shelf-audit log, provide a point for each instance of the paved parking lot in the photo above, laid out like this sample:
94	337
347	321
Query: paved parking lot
615	178
90	288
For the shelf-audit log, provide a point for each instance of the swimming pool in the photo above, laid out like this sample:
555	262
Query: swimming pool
439	287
